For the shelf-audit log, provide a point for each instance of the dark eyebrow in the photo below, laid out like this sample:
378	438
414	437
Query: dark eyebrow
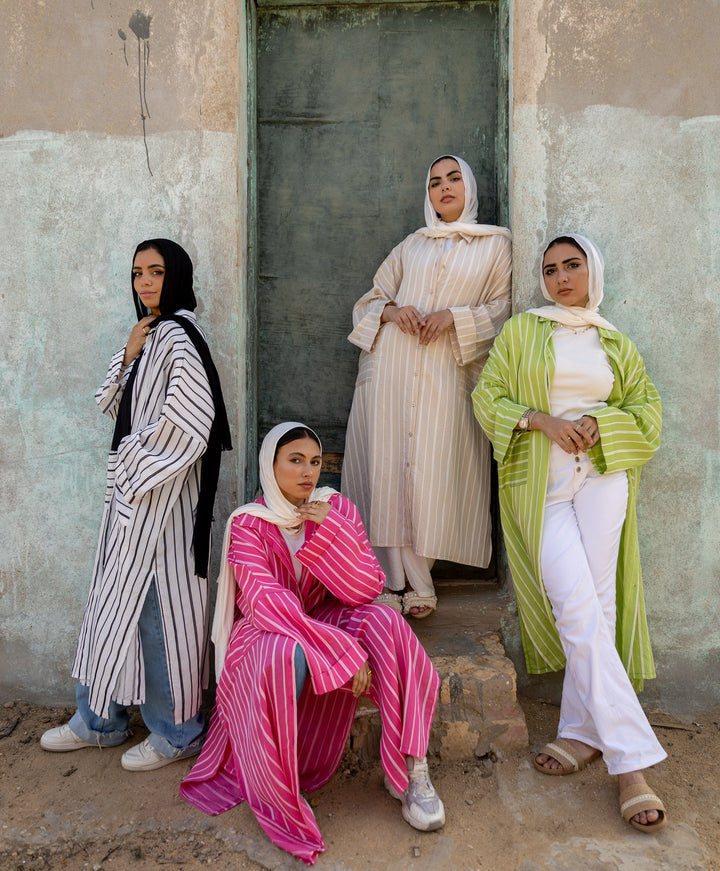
151	266
438	177
301	454
569	260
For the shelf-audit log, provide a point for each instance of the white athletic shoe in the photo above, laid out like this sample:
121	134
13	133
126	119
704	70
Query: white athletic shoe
144	757
421	805
62	740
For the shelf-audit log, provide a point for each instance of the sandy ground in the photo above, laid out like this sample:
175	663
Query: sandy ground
82	811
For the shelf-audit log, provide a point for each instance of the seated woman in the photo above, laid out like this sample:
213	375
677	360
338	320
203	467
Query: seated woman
572	415
304	578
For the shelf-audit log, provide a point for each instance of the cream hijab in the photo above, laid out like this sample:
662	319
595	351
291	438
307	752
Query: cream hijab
577	316
277	510
466	225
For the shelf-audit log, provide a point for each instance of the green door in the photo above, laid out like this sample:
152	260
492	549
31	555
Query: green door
352	103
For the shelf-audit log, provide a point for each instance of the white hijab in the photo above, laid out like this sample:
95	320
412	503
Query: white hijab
466	225
276	510
574	315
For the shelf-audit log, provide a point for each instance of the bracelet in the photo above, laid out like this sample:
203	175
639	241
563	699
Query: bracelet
530	418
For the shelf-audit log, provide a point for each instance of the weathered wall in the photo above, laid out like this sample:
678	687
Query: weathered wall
616	134
81	186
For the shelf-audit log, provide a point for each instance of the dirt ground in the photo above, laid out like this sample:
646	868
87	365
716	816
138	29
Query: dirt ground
82	811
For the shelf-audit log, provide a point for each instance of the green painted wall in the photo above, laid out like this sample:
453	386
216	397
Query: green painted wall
78	194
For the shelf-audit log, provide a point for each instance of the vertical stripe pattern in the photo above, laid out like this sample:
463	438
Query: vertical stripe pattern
516	377
147	528
416	463
263	745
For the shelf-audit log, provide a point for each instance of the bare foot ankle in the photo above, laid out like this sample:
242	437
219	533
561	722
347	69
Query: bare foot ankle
631	778
584	753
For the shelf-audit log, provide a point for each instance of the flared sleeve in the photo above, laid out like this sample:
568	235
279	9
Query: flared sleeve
475	327
333	656
368	310
505	391
110	392
630	425
178	437
339	555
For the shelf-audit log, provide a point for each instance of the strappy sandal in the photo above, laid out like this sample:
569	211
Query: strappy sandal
562	751
635	799
413	599
392	600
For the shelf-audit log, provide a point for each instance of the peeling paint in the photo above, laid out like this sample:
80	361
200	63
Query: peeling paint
658	55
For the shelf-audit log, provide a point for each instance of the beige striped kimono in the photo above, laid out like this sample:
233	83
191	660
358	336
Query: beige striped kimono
517	376
417	465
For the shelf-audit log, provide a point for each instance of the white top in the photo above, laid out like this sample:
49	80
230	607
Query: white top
294	543
583	378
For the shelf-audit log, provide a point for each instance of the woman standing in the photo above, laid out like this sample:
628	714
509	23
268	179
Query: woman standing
144	635
572	415
296	643
416	464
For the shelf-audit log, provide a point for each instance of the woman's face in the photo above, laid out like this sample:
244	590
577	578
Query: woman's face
447	189
148	276
297	469
565	272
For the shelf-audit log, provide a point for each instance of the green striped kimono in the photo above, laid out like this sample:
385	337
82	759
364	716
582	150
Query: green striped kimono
517	376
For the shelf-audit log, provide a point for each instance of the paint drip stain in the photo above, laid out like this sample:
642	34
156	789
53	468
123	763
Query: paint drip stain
139	24
123	36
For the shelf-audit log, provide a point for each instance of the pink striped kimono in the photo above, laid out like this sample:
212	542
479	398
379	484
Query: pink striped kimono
263	746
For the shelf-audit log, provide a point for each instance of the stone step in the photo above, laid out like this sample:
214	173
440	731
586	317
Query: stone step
478	713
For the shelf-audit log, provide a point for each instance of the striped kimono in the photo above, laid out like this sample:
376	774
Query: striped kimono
516	377
416	463
147	528
264	745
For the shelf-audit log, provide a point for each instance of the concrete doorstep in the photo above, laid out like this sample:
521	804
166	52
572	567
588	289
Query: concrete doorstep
478	714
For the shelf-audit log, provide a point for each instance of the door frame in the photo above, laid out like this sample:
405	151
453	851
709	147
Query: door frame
250	159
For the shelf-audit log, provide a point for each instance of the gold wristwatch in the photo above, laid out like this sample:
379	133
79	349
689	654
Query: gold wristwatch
524	422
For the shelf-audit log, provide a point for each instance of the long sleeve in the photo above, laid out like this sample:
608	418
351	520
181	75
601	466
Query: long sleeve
631	423
110	392
339	555
177	436
368	310
476	326
333	656
506	389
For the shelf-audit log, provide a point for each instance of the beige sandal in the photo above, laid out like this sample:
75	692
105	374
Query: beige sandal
635	799
564	752
413	599
392	600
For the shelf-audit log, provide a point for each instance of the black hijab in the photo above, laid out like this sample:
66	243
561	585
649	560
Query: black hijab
177	293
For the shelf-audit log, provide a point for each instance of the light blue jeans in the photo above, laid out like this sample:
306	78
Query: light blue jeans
165	736
301	670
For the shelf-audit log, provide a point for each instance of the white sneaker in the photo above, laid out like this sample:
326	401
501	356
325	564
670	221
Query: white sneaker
421	805
144	757
62	740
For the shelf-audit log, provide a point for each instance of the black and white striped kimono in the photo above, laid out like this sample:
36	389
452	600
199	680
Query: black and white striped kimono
151	497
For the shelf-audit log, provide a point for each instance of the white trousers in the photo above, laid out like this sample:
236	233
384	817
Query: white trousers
584	516
401	564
